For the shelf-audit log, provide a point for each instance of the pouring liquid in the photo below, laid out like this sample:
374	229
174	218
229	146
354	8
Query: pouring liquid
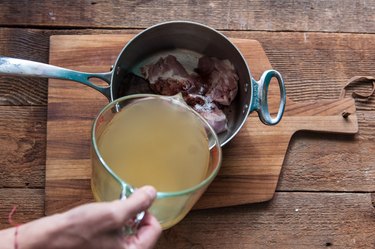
151	142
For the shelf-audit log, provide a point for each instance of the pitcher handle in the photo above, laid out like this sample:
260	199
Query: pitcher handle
19	67
260	92
132	224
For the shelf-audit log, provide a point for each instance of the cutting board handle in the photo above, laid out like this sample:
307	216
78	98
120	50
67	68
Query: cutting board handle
323	116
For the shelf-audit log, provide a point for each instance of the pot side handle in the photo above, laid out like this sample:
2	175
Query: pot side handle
20	67
260	92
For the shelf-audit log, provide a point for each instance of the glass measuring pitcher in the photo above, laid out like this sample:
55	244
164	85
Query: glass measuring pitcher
170	206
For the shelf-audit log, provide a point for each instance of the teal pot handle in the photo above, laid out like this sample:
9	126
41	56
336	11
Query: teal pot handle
259	97
19	67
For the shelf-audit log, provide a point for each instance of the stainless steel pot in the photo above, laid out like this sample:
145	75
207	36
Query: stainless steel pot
185	40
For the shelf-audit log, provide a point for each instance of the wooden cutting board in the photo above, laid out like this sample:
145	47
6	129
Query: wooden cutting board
252	160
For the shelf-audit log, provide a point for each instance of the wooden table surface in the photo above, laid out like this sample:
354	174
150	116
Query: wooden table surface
326	191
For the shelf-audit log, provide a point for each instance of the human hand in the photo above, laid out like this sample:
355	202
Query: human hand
95	225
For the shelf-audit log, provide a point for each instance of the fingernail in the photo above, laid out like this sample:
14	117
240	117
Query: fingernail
151	191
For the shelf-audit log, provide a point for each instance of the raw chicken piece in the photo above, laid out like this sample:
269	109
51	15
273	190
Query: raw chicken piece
168	77
221	77
208	110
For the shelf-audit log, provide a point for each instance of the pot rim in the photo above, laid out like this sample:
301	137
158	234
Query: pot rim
248	85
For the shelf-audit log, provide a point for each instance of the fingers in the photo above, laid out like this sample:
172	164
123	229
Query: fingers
108	218
139	201
149	232
114	215
147	235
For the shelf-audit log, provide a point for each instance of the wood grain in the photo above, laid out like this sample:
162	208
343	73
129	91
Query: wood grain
29	203
306	80
341	160
327	16
315	65
290	220
242	179
23	146
30	45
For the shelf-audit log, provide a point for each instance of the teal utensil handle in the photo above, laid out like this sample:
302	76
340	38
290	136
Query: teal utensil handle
260	92
19	67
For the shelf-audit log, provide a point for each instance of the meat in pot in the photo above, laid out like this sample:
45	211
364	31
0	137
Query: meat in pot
168	77
215	84
221	78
